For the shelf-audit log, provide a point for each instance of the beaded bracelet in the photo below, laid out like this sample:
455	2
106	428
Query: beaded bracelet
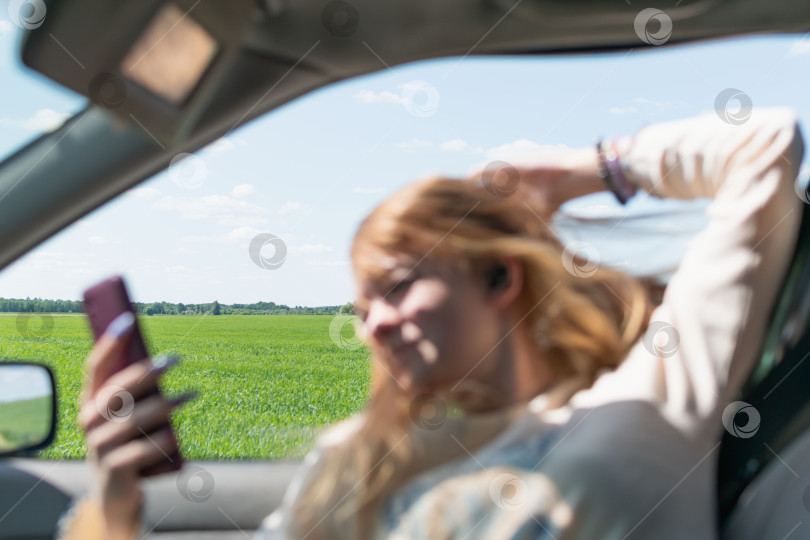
610	170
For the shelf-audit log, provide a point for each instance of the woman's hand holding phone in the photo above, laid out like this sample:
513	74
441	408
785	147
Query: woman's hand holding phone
126	419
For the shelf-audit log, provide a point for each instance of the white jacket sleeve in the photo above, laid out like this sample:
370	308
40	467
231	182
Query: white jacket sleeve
704	338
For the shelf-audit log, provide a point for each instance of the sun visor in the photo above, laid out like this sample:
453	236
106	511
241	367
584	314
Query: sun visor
154	63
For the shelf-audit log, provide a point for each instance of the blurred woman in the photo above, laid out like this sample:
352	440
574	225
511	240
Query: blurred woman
519	390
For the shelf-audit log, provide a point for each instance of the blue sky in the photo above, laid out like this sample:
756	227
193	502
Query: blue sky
311	170
23	382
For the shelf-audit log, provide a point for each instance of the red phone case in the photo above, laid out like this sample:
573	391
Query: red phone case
104	302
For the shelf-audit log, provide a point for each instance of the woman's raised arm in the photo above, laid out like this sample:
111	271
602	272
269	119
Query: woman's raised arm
704	338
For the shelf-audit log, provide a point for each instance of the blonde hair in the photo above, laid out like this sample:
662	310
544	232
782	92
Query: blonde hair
585	318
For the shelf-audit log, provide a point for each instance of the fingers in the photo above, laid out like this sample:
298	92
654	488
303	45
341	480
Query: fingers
122	389
172	464
149	414
139	454
103	358
125	416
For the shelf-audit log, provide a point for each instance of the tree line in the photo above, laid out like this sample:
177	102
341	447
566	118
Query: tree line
38	305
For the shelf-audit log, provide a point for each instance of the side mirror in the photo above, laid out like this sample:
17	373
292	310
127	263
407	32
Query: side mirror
27	408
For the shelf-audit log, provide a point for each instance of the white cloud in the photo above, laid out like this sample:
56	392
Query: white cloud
44	120
328	263
223	144
237	236
453	145
368	96
367	190
179	269
621	110
520	152
222	208
574	211
243	277
668	226
6	27
66	262
243	190
101	240
522	149
290	206
800	46
409	146
660	105
148	266
146	192
309	248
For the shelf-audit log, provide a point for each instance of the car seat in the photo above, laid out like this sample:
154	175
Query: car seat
778	389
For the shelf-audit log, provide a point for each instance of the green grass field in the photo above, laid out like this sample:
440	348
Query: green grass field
267	383
24	422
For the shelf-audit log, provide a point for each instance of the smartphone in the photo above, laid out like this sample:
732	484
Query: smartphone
104	302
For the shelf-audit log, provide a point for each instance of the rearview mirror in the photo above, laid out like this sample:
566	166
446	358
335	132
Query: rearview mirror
27	407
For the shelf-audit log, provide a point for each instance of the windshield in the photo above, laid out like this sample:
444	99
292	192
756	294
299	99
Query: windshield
194	239
31	105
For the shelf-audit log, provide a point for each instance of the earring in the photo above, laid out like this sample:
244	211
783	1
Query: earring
541	333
